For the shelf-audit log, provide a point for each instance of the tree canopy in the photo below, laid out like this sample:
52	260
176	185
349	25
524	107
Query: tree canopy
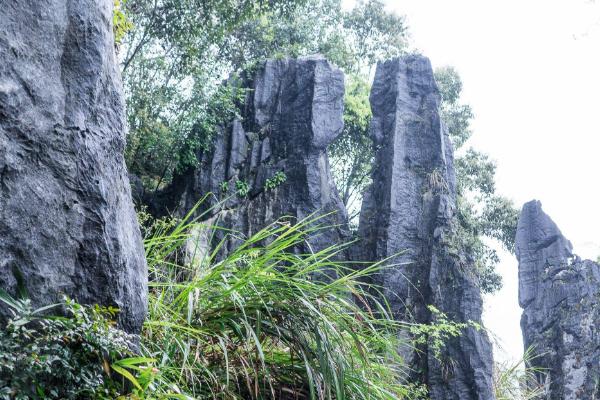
175	56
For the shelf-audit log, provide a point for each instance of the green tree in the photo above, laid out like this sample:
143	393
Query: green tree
482	213
178	53
173	66
351	154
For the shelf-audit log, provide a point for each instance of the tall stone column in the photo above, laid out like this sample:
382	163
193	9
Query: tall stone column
67	223
408	214
292	111
560	297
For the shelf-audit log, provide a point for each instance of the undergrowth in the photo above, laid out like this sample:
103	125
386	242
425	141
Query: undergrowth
263	322
519	380
267	322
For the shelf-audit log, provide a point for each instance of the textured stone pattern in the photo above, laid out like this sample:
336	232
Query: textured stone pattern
410	208
560	297
67	223
291	114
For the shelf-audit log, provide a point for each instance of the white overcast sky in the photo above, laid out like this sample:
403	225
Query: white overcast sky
531	72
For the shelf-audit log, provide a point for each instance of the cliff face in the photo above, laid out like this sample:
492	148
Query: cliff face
67	223
560	297
410	209
273	163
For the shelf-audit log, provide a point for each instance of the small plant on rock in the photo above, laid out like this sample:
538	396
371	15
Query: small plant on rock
224	187
275	180
242	188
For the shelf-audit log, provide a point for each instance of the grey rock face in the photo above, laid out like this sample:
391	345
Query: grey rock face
410	208
67	223
560	297
292	112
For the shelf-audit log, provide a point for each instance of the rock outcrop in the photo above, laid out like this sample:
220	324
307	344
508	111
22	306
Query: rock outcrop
410	208
273	162
67	223
560	297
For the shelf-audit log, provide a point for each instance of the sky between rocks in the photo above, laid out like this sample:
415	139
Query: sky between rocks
531	72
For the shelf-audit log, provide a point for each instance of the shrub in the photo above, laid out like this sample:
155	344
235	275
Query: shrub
242	188
266	322
60	357
275	180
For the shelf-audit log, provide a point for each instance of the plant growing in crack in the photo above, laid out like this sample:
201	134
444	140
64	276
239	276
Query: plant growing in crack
242	188
275	180
436	182
224	187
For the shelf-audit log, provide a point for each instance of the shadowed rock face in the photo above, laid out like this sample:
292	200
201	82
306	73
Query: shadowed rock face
410	207
560	297
291	114
67	223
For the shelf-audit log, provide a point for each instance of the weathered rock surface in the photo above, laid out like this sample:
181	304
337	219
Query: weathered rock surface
291	114
410	207
67	223
560	297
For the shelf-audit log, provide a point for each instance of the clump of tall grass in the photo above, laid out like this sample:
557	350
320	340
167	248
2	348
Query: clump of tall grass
267	321
518	380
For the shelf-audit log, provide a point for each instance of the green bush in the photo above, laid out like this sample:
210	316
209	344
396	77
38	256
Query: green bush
267	322
60	357
264	322
242	188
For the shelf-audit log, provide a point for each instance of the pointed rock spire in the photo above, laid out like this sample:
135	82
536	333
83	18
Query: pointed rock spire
408	214
560	297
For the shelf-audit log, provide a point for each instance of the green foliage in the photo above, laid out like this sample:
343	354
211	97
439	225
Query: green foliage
482	213
374	34
275	180
163	142
269	322
224	187
242	188
175	58
121	23
439	331
172	70
60	357
266	321
456	115
518	380
351	153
